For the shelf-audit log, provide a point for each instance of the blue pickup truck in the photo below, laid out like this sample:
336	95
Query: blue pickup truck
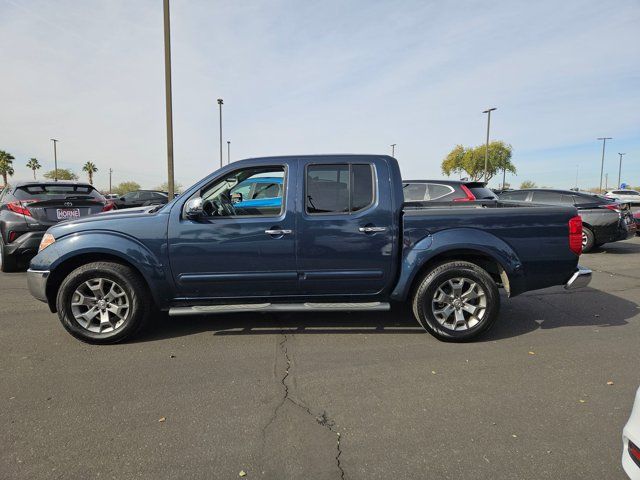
340	238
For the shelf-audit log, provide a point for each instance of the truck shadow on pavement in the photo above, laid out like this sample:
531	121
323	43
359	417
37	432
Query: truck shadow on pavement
552	308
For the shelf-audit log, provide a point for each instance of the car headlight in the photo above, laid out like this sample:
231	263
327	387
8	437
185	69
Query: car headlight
47	240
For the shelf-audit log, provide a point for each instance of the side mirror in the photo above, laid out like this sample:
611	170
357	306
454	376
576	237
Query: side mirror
123	199
193	208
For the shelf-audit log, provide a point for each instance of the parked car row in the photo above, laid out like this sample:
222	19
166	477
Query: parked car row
603	219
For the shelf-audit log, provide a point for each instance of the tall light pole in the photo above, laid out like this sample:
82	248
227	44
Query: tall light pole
604	142
228	152
393	150
110	173
620	169
167	87
486	150
220	102
55	160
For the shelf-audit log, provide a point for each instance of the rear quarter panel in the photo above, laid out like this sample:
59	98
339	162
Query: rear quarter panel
530	243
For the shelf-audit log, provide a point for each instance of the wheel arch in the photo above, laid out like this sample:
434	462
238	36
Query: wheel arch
65	267
487	251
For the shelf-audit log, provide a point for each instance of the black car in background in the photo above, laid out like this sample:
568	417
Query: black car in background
603	219
142	198
28	209
445	191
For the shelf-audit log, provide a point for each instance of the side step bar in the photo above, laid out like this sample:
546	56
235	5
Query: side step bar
279	307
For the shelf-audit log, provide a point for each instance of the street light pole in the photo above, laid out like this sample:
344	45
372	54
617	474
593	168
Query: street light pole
604	142
393	150
55	160
169	111
620	169
486	150
220	102
110	172
228	152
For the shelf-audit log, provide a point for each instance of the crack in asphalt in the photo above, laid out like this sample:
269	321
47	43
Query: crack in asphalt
323	419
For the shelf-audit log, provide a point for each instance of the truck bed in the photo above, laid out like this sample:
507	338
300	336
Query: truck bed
539	234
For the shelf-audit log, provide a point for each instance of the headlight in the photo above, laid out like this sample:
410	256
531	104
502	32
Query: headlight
47	240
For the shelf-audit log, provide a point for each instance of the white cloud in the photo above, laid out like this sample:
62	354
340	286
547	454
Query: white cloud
302	77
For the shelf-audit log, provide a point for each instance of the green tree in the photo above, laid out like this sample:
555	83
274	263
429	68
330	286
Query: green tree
471	160
90	168
164	187
126	187
63	174
6	165
528	184
33	164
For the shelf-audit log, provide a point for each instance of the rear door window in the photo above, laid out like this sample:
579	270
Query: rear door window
437	191
343	188
414	192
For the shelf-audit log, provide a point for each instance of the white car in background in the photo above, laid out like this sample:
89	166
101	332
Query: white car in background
624	196
631	442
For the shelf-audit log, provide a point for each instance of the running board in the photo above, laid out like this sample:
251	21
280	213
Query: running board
279	307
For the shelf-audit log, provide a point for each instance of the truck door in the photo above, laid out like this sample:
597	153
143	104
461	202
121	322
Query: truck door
345	232
237	249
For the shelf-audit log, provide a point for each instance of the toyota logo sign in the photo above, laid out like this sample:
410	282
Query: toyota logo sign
68	204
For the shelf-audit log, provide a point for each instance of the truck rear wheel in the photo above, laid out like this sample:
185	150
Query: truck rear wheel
456	301
103	302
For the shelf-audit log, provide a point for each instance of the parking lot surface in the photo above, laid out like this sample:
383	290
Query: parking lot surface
359	396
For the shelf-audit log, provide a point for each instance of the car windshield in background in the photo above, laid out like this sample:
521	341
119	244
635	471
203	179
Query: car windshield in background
55	191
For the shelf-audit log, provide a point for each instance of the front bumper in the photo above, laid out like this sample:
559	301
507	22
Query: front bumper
37	282
580	278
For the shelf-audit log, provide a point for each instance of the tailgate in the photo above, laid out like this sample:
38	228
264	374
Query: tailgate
54	211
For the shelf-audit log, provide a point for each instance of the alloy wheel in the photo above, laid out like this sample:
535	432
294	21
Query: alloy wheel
459	304
100	305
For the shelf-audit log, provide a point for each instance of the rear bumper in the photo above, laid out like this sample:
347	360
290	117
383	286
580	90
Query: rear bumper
580	278
26	243
37	283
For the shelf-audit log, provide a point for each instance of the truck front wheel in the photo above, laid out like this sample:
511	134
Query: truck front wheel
103	302
456	301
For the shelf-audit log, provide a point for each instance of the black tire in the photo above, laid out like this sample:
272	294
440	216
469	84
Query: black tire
588	240
127	279
8	263
426	294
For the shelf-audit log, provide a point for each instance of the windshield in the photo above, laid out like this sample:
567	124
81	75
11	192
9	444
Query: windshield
43	192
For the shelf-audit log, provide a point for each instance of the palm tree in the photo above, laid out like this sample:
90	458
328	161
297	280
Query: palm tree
6	165
34	165
90	168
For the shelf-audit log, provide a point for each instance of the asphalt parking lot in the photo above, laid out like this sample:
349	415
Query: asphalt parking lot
355	396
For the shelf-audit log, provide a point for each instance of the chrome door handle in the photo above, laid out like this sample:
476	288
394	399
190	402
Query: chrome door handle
372	229
278	232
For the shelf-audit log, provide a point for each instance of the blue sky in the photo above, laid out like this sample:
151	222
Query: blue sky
322	77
